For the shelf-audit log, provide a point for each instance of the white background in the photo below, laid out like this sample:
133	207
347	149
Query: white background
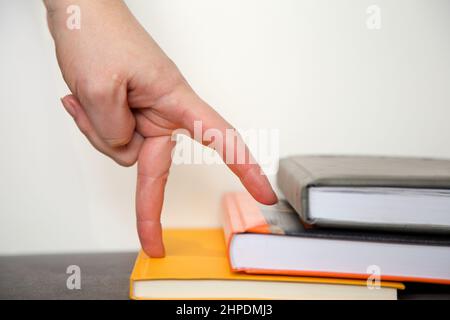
311	69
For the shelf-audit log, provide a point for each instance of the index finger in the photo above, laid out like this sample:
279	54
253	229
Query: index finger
232	151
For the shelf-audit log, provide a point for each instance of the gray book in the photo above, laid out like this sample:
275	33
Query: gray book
401	194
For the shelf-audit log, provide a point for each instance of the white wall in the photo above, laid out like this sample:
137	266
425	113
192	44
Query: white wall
311	68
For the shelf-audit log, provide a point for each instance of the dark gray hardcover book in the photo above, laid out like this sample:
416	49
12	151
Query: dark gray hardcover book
389	193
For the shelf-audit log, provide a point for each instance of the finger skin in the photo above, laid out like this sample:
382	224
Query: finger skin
153	169
125	155
95	61
105	104
186	108
111	65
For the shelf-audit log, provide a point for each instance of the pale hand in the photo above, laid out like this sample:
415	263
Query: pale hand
128	97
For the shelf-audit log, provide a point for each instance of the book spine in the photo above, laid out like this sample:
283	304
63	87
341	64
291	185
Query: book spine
293	180
231	220
243	214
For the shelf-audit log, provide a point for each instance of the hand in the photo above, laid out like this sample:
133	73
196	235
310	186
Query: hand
128	97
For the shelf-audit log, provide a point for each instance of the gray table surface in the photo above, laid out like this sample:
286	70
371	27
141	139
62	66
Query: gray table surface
105	276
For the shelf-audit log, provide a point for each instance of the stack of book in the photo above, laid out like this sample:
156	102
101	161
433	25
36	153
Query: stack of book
350	228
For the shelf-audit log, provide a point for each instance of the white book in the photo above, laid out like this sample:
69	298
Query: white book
376	206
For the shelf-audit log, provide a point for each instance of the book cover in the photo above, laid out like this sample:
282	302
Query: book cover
297	174
243	215
195	255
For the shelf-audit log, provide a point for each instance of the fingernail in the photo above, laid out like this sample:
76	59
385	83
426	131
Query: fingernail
68	105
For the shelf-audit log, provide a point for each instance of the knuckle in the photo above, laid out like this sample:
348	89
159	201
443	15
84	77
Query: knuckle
165	69
167	78
100	88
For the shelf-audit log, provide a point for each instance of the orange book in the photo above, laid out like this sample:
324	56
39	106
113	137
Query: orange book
273	240
196	267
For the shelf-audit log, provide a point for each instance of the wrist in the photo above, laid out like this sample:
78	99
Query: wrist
61	5
59	12
57	15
